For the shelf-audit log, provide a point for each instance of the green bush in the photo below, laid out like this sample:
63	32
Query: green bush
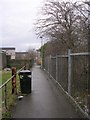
19	63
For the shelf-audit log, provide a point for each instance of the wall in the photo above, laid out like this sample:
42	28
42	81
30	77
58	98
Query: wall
3	60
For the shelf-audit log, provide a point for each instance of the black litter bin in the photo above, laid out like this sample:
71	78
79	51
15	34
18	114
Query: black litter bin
25	81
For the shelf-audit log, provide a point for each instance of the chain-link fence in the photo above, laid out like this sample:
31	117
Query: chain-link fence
71	72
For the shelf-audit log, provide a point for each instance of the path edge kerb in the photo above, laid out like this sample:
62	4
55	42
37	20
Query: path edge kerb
68	97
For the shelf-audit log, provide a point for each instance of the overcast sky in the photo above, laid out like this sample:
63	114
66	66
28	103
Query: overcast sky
16	23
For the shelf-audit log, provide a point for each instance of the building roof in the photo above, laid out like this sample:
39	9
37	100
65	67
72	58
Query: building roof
21	52
8	48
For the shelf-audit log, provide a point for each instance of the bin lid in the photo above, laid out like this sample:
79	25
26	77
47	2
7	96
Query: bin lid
25	72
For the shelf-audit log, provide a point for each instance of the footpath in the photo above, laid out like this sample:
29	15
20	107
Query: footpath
45	101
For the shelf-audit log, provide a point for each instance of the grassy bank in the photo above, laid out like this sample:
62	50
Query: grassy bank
11	98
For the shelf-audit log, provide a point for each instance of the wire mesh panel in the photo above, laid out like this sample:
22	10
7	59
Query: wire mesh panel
63	72
79	83
53	67
72	73
46	63
49	65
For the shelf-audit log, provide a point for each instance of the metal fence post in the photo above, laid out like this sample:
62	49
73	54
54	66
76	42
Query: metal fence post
56	68
88	85
89	57
5	99
69	72
48	64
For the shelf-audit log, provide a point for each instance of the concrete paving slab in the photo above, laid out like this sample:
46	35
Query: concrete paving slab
45	101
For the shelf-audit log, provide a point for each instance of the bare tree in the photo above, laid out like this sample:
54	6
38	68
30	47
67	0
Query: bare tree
62	21
31	53
84	10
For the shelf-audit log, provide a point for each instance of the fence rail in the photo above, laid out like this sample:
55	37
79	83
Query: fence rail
71	71
5	86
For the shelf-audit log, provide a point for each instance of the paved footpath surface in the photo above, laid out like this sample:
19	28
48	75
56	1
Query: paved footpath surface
45	101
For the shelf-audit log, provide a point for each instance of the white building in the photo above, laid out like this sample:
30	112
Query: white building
9	51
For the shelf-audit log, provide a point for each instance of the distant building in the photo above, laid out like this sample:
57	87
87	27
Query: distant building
9	51
21	55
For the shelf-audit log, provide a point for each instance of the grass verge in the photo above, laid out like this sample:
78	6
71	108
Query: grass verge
11	98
